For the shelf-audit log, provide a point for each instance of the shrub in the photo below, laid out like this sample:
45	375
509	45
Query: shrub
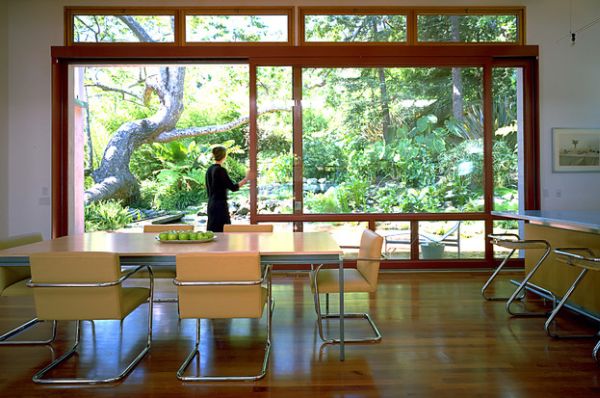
106	216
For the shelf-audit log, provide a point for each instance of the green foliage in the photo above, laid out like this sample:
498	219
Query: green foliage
106	215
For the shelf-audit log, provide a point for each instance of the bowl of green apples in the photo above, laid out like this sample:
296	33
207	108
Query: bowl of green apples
185	237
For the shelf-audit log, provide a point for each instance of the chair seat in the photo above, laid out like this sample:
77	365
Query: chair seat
17	289
508	244
354	282
240	302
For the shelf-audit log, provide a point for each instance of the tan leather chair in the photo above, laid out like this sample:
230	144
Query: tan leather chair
248	228
362	279
164	272
76	286
13	282
222	285
156	228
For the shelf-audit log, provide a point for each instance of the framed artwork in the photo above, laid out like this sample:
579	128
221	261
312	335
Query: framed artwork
575	150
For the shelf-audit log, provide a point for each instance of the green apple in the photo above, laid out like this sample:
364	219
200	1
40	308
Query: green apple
172	236
209	234
163	236
184	236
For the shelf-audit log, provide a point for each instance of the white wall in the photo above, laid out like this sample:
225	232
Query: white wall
569	91
569	88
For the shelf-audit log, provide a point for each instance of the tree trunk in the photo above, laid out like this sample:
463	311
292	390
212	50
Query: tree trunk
385	101
113	178
457	84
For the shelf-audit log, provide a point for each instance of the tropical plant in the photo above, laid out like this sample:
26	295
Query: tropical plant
106	215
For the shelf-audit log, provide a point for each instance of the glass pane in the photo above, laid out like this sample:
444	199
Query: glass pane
275	151
392	140
123	28
355	28
236	28
467	28
396	238
124	126
344	233
451	239
508	133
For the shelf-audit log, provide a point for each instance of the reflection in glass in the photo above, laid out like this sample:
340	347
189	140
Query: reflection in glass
275	150
392	140
508	133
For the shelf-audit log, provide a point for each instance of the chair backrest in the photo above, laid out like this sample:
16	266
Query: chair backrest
77	303
168	227
370	247
248	228
10	275
220	301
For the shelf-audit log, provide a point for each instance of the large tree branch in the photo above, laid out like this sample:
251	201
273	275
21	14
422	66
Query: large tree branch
136	28
115	89
177	134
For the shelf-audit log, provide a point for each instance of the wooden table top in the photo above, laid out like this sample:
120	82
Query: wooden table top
145	244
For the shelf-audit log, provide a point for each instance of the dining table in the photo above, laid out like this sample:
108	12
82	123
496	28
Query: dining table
133	248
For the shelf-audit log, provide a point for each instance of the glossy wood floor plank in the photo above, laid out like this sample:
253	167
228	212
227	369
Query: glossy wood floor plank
440	338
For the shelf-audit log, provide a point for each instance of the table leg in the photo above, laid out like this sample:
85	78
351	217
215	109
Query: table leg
342	348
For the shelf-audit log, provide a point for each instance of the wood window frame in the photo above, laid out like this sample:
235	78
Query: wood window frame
518	12
411	22
71	12
487	56
179	14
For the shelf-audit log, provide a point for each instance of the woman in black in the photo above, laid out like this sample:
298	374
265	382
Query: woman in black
217	184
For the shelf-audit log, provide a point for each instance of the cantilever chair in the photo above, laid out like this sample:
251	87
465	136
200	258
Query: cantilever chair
166	272
450	238
163	271
362	279
585	259
13	282
223	285
76	286
248	228
513	242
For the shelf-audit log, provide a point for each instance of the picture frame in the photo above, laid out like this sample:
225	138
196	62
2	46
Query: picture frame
576	149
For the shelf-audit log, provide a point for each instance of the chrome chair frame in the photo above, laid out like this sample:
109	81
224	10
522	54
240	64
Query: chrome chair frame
196	351
328	315
4	339
519	292
570	257
493	237
39	376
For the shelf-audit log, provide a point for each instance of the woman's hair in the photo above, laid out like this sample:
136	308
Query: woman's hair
219	152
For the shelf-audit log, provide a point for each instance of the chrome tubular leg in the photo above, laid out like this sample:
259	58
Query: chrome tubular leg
551	318
595	352
39	376
4	339
522	286
267	350
326	303
491	279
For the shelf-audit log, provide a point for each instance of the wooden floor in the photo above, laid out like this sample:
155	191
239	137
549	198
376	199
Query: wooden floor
440	338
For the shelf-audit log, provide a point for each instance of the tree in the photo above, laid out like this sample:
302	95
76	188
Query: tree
113	178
